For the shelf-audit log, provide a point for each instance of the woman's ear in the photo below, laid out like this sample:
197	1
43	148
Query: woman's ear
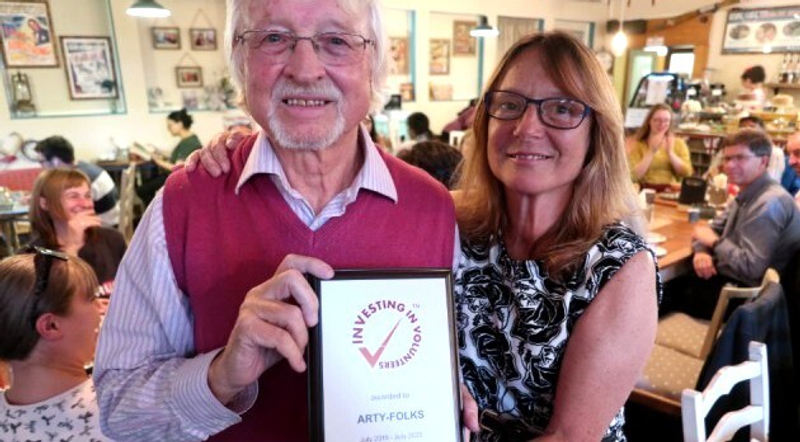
48	326
43	203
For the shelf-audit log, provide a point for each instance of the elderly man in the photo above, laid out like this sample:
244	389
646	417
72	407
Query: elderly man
793	151
195	336
760	229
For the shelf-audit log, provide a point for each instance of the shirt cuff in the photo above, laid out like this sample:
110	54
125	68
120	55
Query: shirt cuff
200	412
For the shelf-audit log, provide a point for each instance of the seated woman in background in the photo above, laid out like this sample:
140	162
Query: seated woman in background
62	218
556	290
439	159
48	331
178	124
657	156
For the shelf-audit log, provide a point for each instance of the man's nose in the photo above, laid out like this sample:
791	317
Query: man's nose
304	63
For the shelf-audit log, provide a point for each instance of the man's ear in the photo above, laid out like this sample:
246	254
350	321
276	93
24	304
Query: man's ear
48	326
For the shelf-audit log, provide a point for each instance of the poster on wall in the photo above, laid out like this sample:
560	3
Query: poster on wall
463	43
27	36
762	30
399	50
439	63
89	63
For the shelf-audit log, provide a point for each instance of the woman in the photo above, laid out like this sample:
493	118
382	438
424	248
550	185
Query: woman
753	86
178	125
657	156
48	331
63	218
556	295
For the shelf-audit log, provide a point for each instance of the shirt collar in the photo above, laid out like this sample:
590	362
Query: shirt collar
754	189
374	174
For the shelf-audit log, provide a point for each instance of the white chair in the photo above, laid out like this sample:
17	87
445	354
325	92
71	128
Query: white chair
127	196
455	138
695	337
695	405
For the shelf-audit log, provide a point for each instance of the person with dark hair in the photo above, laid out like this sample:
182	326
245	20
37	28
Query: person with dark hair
777	159
62	218
759	229
57	151
418	130
439	159
48	331
178	125
753	83
657	157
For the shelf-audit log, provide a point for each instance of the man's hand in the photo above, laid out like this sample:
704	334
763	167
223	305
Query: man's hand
704	265
705	235
272	324
214	155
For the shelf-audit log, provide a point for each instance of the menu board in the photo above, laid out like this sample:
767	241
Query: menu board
762	30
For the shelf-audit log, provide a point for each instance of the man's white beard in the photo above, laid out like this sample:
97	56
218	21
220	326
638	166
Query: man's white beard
291	138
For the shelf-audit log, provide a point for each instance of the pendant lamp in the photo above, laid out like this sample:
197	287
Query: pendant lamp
147	8
484	29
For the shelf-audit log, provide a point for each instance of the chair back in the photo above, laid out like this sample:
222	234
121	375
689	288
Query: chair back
695	405
455	138
127	194
725	297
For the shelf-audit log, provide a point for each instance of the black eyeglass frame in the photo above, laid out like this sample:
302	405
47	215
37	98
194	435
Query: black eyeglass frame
538	102
42	263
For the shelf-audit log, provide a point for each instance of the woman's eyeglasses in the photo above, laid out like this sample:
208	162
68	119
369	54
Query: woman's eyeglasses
42	263
558	113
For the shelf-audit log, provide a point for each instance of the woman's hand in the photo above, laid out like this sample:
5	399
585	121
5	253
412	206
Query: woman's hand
82	221
214	156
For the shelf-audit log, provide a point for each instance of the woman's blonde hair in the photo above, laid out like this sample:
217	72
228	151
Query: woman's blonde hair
602	193
49	186
20	307
644	131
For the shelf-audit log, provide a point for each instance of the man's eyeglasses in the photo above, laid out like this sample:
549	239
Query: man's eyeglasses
737	158
558	113
332	48
42	263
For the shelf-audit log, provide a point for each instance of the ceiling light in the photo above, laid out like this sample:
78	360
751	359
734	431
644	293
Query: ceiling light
484	29
147	8
619	44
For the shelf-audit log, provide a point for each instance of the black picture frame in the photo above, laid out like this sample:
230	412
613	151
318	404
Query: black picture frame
420	304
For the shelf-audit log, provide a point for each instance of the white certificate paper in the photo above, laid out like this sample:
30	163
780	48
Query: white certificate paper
383	364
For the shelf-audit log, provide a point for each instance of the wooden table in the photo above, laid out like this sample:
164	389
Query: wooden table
674	224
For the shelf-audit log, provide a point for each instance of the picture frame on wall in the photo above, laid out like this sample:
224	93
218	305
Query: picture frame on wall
89	64
189	76
439	62
463	43
166	37
407	91
762	30
398	47
203	39
26	31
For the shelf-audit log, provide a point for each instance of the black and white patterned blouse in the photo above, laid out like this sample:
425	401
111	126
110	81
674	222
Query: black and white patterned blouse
514	324
71	416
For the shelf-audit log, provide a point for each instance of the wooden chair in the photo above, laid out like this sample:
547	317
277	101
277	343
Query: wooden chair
675	362
695	337
696	405
127	196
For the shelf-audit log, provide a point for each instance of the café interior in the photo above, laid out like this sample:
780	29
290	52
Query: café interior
107	81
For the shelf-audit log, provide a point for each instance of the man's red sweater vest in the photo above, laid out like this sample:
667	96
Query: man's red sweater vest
221	245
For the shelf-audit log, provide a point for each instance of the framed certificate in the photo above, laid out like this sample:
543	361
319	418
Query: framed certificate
382	360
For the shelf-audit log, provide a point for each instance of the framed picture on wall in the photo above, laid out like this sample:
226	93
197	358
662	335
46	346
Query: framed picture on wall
26	31
407	91
439	63
89	63
463	43
398	47
762	30
166	38
203	39
189	76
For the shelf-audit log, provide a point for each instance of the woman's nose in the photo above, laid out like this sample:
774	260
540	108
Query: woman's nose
530	121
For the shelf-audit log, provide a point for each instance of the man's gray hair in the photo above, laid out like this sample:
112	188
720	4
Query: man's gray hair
236	23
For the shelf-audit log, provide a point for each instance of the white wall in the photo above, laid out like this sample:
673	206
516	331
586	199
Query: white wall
91	135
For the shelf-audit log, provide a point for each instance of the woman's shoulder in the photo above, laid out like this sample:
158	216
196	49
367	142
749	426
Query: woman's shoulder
619	236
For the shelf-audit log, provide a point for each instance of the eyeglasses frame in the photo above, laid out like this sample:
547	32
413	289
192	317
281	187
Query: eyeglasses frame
240	39
538	102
